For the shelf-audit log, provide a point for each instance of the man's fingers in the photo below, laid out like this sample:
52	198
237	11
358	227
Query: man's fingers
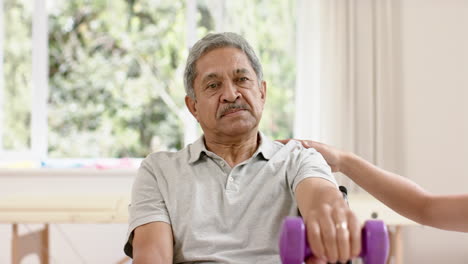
314	236
342	234
314	260
327	227
334	233
355	235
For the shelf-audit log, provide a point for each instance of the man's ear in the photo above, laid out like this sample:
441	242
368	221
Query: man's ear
263	90
192	106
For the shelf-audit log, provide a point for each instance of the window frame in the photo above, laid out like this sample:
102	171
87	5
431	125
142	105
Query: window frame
2	84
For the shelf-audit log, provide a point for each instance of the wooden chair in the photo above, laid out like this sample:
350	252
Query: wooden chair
36	242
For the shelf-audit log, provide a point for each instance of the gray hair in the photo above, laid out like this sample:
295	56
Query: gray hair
214	41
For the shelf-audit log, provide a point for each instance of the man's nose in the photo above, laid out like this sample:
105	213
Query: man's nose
230	92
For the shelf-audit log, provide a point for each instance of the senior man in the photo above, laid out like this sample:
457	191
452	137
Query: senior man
222	199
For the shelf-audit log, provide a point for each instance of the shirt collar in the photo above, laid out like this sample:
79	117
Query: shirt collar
196	149
266	148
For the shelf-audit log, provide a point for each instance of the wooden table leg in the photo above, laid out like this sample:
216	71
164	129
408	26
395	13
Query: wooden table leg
36	242
396	245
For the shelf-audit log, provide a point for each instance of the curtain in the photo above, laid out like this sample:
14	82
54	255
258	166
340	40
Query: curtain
346	82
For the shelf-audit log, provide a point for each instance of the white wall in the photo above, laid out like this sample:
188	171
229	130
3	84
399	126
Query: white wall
434	107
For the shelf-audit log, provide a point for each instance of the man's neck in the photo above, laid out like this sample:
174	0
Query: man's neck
234	150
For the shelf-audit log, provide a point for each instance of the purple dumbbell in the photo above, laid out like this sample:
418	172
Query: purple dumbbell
294	248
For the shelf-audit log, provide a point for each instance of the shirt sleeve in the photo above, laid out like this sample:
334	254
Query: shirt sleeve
308	163
147	203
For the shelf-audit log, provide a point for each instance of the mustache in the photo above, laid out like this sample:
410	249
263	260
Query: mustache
222	111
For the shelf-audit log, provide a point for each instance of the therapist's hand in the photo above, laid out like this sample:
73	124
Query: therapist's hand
332	155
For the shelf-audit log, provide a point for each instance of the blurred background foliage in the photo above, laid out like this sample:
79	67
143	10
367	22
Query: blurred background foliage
17	74
116	71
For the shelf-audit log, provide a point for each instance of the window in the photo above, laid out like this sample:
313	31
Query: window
114	78
115	84
16	76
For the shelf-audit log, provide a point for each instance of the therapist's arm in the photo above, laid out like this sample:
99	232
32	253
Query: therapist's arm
406	197
153	243
448	212
333	231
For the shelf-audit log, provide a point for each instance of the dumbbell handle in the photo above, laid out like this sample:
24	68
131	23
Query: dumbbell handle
294	247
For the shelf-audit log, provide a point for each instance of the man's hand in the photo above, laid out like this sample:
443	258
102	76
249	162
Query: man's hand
333	230
315	261
333	233
332	155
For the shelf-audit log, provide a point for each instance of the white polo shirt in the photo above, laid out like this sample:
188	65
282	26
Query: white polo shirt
220	214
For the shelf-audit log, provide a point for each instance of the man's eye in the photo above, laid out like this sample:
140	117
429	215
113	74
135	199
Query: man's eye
243	79
212	85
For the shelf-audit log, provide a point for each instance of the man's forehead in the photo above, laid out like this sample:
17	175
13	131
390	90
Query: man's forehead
214	74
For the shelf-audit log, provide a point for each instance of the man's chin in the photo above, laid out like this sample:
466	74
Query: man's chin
238	129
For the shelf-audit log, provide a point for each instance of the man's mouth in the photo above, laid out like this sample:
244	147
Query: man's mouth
232	111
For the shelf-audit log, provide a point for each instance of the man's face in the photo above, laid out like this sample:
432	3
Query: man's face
229	100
